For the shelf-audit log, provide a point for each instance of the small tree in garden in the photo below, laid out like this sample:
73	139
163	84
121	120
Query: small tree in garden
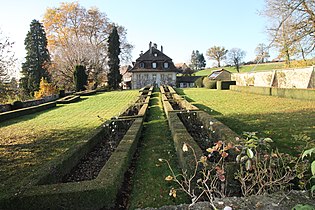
80	78
114	76
45	89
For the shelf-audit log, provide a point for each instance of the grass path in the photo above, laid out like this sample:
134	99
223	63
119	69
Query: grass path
30	141
149	187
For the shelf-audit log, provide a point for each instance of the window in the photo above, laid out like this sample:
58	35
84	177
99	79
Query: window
154	77
154	65
169	76
141	65
146	76
165	65
155	54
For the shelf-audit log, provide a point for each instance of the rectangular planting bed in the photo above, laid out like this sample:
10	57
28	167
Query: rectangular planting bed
89	175
81	181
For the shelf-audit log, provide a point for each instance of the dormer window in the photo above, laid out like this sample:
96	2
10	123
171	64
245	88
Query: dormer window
165	65
141	65
154	65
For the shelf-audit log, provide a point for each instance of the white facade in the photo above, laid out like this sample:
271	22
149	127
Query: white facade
141	79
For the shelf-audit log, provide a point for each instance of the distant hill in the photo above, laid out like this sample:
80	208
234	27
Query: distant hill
245	68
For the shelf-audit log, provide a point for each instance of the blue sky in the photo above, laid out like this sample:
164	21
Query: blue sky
181	26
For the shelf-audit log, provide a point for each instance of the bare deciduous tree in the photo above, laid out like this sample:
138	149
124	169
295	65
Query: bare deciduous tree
262	53
235	57
217	53
292	26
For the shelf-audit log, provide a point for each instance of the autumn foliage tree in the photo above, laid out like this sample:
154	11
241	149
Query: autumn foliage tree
45	89
79	35
37	58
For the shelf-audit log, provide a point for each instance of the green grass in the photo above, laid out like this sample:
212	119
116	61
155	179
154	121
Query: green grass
247	68
149	188
30	141
278	118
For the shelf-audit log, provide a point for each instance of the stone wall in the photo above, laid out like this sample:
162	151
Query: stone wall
286	78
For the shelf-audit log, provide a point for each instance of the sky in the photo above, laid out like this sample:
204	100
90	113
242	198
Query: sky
181	26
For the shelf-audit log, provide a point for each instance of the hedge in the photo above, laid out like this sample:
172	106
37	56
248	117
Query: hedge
208	83
294	93
94	194
25	111
199	83
225	85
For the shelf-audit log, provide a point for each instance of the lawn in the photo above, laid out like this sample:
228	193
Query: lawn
247	68
31	141
278	118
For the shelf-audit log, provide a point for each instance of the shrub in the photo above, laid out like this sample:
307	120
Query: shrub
210	84
80	78
17	105
198	82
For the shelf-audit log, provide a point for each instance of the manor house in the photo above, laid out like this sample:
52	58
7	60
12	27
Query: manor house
153	68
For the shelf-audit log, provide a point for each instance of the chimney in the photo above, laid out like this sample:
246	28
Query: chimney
141	53
161	48
150	47
155	45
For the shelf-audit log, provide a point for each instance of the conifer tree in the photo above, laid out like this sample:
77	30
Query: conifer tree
37	58
80	77
114	76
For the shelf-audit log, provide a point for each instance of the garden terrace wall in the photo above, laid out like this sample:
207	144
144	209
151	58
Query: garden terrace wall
25	111
69	99
86	93
294	93
181	136
94	194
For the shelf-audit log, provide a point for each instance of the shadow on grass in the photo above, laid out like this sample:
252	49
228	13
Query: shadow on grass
27	117
20	163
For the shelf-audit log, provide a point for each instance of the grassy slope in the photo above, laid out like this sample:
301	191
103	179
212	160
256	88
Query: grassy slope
149	187
29	141
247	68
278	118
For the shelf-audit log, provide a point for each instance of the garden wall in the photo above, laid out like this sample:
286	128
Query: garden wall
294	93
286	78
24	111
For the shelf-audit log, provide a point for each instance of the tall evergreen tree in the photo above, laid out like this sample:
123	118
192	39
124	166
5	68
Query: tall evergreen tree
193	60
201	61
37	58
80	77
114	76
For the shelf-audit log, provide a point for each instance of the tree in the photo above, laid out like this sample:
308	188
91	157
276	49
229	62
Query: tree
235	57
7	58
197	60
201	62
262	53
45	89
291	26
37	58
80	77
217	53
114	76
193	60
79	35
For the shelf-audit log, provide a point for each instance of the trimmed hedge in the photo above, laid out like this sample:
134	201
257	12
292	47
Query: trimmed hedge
208	83
25	111
199	83
225	85
304	94
95	194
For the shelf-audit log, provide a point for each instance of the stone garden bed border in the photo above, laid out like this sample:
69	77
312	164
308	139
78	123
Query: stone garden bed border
94	194
25	111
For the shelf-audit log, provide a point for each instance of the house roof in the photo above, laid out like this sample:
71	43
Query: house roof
153	55
189	79
216	73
